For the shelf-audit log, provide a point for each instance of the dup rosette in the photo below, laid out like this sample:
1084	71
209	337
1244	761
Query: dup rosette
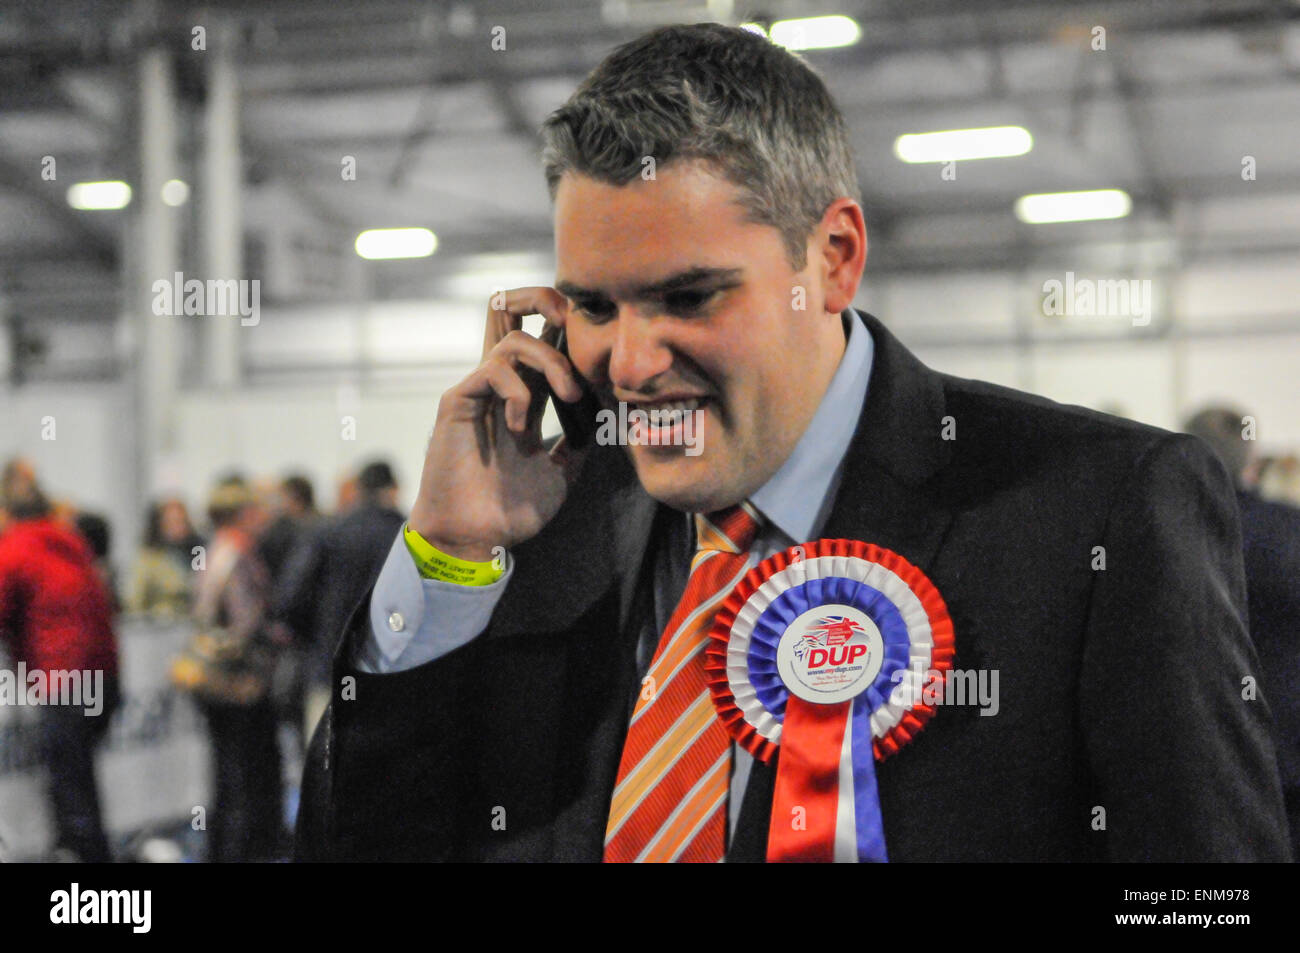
827	651
820	602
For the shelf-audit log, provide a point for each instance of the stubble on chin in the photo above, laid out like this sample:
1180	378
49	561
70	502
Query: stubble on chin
681	488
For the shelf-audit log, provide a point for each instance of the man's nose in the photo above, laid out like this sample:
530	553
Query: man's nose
637	354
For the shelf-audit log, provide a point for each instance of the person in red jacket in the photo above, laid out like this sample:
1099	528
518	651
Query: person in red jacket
56	617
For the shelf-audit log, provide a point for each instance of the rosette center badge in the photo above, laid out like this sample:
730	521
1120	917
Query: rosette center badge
830	654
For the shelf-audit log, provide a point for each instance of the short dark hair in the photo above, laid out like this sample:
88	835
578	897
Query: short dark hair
299	487
97	533
376	477
752	109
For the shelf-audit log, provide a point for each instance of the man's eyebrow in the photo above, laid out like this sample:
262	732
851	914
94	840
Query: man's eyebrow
682	280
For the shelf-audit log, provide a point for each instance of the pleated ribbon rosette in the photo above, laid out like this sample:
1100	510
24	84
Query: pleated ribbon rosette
828	651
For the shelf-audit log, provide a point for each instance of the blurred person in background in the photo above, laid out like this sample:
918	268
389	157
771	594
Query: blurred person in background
296	517
163	578
295	514
1270	533
56	616
94	529
330	572
245	821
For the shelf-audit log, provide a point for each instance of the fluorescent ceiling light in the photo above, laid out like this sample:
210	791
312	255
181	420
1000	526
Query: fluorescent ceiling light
99	196
993	142
815	33
175	192
1047	207
396	243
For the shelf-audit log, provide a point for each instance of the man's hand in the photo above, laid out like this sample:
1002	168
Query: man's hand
487	480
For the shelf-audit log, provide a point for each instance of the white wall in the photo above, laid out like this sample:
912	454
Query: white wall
1223	331
266	431
84	454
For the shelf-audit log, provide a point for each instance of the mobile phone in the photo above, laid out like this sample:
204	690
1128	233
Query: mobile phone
578	419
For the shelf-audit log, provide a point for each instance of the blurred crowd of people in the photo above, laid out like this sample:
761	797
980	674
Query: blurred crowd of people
272	577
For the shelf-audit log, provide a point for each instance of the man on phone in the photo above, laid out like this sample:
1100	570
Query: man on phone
525	681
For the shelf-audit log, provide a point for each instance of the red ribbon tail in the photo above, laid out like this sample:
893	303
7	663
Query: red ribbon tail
806	796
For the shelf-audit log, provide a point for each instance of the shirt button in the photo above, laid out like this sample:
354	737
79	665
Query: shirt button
396	622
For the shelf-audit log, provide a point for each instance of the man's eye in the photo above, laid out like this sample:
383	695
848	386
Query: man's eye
688	302
594	311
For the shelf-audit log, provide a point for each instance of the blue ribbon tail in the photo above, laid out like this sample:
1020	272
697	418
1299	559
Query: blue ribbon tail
866	798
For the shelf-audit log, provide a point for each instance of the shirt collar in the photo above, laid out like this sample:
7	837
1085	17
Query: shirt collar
794	500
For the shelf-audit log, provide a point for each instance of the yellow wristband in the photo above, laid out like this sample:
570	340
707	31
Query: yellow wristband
435	564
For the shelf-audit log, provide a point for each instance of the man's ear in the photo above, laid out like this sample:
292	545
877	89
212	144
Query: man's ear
844	252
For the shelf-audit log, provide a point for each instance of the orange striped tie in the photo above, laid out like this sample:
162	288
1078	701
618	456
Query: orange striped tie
671	795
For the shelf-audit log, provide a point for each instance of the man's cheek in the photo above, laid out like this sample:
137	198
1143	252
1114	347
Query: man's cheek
724	399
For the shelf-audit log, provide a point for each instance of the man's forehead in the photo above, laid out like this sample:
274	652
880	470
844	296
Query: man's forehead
647	237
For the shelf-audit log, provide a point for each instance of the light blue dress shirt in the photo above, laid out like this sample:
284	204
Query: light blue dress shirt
414	620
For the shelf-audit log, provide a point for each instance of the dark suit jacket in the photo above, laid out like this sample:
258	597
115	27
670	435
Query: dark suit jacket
1120	688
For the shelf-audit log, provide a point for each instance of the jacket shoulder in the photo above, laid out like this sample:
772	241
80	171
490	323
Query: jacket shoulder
1001	429
993	405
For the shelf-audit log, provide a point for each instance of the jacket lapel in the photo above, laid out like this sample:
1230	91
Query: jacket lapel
898	446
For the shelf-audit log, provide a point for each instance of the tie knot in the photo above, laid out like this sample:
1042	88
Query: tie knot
731	530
